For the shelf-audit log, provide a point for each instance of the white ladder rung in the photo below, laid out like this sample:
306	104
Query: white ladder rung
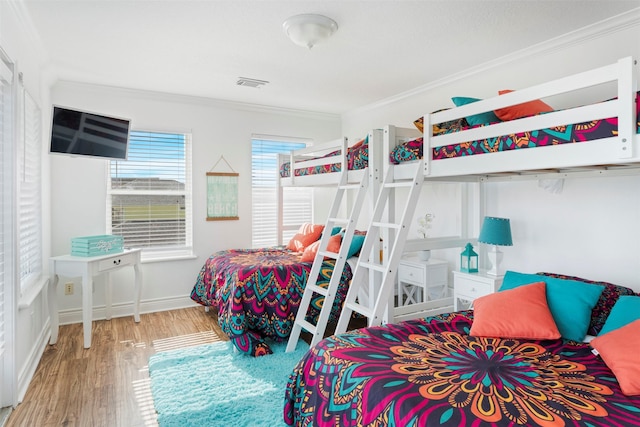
371	266
359	308
317	289
328	254
400	184
350	186
339	220
307	326
387	225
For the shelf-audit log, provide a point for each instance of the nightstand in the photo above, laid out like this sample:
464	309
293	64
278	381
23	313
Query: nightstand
421	280
469	286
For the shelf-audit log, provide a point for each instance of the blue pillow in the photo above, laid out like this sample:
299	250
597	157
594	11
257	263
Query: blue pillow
335	230
356	245
476	119
570	301
625	311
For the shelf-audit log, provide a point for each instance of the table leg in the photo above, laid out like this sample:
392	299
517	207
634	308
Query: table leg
53	307
87	308
107	296
137	292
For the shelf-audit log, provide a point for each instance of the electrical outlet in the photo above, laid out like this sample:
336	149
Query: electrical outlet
68	288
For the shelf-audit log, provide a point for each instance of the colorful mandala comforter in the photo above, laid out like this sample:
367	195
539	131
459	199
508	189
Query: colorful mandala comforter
572	133
430	372
258	291
357	158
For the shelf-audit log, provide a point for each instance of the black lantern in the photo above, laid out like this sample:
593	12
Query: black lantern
469	260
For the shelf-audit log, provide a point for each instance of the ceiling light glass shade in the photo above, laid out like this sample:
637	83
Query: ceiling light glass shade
308	29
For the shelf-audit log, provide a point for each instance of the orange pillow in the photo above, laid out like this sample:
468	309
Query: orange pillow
525	109
306	235
619	349
521	312
310	251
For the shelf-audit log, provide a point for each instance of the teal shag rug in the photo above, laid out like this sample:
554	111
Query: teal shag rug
212	385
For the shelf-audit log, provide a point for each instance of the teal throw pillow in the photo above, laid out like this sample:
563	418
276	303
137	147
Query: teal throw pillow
570	301
625	311
476	119
356	245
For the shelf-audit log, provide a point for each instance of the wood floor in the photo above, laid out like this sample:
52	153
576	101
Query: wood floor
108	384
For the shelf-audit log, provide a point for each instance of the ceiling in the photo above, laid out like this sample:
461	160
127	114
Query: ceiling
382	47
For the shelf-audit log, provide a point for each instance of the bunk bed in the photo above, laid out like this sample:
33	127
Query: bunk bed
257	292
435	370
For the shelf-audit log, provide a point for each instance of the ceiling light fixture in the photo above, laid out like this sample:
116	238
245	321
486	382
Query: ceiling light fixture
308	29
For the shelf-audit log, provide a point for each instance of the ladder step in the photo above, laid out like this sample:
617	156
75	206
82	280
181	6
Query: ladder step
359	308
307	326
387	225
398	184
339	220
372	266
317	289
327	254
350	186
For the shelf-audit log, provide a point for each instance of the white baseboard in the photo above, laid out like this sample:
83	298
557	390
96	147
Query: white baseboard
67	317
33	359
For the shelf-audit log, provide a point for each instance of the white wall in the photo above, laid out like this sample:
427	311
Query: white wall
78	184
592	228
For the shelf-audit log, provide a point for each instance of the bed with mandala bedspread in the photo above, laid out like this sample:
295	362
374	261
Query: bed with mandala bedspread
257	293
431	372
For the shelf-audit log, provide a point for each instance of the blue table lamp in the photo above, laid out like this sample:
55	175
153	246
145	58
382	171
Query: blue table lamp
495	232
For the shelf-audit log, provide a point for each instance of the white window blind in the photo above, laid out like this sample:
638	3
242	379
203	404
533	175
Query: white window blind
29	191
297	202
149	194
7	118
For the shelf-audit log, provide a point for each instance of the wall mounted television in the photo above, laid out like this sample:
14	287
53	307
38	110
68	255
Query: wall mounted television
81	133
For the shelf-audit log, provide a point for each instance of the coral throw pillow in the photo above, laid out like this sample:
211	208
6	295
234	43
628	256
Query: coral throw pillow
310	251
525	109
619	349
516	313
306	235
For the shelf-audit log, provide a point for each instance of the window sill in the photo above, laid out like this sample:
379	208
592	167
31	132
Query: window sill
148	258
28	295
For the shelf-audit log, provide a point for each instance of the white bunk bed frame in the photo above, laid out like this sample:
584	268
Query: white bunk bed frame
619	155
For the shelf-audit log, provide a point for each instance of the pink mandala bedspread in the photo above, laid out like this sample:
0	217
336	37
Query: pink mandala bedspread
258	291
432	373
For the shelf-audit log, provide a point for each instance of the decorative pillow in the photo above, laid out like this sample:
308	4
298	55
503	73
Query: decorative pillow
306	235
619	349
605	303
525	109
570	301
626	310
310	251
356	244
476	119
517	313
444	127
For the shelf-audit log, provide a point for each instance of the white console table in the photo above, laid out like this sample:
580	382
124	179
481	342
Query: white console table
87	268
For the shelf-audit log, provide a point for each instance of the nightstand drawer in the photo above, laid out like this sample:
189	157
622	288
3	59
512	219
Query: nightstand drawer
411	274
117	261
472	289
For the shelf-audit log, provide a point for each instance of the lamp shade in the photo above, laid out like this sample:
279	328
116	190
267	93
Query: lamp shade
496	231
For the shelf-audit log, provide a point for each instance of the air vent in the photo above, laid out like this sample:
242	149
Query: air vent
245	81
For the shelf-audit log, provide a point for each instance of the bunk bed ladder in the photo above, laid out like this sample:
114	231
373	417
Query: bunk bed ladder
383	269
349	224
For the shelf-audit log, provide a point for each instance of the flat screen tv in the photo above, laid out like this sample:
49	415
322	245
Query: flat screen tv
80	133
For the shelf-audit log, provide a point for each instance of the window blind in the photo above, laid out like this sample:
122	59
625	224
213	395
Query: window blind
149	194
297	203
29	190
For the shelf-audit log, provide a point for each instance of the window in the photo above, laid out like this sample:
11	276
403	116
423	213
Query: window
29	190
297	203
149	195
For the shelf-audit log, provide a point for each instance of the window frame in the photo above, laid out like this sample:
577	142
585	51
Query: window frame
157	254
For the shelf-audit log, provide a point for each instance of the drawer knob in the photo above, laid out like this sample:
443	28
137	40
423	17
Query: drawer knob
116	261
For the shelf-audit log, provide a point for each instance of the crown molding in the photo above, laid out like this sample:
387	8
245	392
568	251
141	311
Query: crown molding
594	31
